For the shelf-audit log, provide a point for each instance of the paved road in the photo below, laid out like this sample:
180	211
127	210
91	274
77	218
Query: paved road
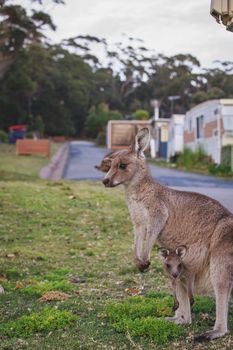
84	156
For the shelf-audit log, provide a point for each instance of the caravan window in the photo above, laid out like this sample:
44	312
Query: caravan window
200	128
228	123
190	124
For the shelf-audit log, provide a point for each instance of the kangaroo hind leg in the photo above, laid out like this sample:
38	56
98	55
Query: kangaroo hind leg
221	273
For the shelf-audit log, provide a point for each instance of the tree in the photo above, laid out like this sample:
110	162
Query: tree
19	28
50	82
98	118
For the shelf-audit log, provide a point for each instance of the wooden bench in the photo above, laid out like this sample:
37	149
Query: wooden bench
28	147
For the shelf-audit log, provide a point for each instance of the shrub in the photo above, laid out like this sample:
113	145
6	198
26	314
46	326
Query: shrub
137	316
219	169
141	114
47	320
158	329
46	286
203	304
98	118
197	159
30	135
3	136
101	138
227	156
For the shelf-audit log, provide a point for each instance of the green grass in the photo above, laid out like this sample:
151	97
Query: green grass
21	168
48	319
76	237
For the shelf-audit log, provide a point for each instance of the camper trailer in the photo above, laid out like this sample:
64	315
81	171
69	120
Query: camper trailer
210	125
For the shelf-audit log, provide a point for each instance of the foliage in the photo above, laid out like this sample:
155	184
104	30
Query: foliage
203	305
137	316
37	125
47	320
137	306
50	90
227	156
220	169
18	27
198	160
140	114
65	84
194	159
41	287
3	136
101	138
98	118
66	88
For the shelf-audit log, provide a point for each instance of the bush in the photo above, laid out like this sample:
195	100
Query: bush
30	135
98	118
47	320
197	159
3	136
46	286
227	156
137	316
219	169
101	138
140	114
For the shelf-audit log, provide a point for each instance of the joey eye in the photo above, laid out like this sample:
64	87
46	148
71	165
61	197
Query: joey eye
122	166
168	266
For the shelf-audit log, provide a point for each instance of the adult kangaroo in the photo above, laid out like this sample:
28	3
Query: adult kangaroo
172	218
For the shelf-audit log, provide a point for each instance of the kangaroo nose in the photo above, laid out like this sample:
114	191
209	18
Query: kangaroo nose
106	182
175	275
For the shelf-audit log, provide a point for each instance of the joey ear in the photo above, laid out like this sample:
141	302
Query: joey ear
181	251
142	140
104	166
163	253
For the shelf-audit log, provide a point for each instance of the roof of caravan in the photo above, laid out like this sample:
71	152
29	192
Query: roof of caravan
222	101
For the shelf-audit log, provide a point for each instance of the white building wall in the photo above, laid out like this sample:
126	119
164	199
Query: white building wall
175	135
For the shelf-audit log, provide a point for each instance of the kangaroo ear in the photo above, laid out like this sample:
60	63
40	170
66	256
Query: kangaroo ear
181	251
142	140
104	166
163	253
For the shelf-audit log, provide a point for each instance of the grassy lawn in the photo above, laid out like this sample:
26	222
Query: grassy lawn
21	168
75	238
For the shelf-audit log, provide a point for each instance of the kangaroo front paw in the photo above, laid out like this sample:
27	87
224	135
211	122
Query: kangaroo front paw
210	335
142	265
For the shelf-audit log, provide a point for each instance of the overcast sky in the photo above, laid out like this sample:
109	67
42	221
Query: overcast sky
167	26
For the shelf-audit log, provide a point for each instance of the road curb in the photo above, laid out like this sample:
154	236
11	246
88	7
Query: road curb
56	167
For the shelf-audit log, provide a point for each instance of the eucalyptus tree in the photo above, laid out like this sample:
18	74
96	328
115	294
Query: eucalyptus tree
20	27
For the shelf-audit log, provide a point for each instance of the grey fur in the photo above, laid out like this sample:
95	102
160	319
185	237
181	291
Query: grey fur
171	218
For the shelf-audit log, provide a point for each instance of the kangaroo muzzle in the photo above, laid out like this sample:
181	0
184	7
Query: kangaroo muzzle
108	182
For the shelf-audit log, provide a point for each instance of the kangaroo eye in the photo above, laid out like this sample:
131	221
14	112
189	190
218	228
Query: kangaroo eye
122	166
168	266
